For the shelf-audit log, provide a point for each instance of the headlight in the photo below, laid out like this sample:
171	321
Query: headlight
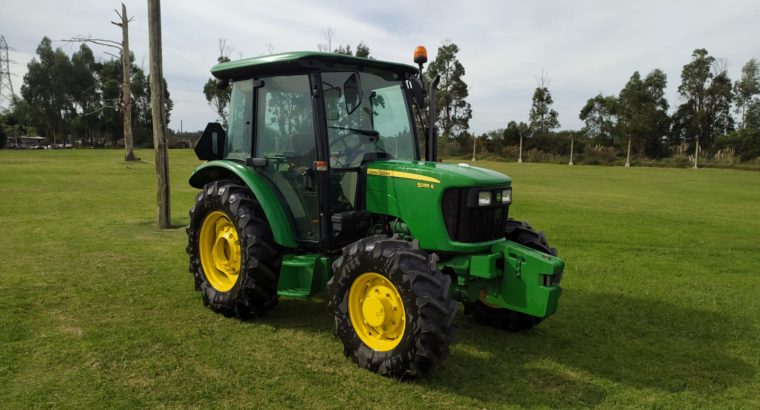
506	197
484	198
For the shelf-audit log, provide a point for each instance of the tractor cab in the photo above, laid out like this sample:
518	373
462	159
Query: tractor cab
311	123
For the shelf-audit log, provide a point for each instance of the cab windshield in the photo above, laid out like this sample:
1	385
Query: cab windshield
367	117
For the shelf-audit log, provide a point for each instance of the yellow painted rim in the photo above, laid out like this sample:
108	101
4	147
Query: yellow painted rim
219	249
376	311
484	297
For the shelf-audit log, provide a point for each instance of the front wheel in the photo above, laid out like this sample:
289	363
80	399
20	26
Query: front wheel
392	307
233	258
502	318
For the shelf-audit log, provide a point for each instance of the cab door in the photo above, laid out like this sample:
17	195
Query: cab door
285	136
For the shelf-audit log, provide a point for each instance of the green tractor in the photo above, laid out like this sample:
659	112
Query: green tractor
318	182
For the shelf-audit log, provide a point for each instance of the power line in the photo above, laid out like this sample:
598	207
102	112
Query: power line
6	85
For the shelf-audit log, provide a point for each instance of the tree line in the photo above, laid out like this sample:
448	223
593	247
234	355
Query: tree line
76	100
718	118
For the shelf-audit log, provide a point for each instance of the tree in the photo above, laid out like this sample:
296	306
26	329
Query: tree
600	116
747	90
543	119
642	113
707	90
453	112
362	50
110	119
344	50
3	135
141	108
327	45
85	92
218	99
46	90
514	134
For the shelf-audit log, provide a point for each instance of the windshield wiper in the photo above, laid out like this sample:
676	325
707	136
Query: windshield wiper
369	133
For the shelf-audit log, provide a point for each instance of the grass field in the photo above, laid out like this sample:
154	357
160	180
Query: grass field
661	305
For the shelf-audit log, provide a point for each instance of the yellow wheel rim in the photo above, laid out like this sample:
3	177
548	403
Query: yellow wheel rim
219	249
484	297
376	311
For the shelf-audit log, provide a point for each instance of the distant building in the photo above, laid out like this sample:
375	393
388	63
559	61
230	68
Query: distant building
26	142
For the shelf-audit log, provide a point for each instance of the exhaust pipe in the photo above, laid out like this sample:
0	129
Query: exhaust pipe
431	142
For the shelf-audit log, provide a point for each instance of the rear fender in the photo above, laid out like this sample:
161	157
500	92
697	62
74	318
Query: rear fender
276	214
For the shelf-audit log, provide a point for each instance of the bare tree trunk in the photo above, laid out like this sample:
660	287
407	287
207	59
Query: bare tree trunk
628	157
126	88
696	154
157	107
474	147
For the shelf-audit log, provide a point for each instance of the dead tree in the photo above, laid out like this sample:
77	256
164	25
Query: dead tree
126	87
126	100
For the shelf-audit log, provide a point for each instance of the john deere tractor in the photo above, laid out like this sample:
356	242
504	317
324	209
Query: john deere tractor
319	181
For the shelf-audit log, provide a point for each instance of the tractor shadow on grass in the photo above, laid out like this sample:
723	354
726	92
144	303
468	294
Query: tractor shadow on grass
570	360
310	315
595	339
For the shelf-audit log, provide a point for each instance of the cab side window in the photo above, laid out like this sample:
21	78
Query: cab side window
240	121
285	126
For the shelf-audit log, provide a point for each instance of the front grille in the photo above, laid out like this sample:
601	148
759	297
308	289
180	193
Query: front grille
472	223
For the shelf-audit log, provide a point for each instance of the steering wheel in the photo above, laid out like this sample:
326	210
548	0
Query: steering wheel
350	152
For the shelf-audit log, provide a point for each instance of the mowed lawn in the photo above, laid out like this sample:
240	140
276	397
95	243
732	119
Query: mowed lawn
661	303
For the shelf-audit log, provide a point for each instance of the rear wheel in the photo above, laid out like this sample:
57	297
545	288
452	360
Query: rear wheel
502	318
233	259
392	307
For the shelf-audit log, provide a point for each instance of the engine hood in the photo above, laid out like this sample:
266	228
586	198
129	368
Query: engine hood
413	192
447	174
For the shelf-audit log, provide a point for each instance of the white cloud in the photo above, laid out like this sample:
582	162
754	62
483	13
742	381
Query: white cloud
586	46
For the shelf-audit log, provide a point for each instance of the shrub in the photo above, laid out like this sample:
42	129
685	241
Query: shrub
599	155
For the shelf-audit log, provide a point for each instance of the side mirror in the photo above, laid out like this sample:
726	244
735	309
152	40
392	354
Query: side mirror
211	144
353	93
418	91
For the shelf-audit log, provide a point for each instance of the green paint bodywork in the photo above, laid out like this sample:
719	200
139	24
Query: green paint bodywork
417	202
303	275
511	276
274	209
508	274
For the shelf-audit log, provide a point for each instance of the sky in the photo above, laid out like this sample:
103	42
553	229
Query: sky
585	47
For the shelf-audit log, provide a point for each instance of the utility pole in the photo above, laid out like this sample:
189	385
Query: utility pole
157	107
519	158
628	157
126	88
571	151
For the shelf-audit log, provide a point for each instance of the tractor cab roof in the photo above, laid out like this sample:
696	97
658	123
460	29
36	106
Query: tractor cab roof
302	61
